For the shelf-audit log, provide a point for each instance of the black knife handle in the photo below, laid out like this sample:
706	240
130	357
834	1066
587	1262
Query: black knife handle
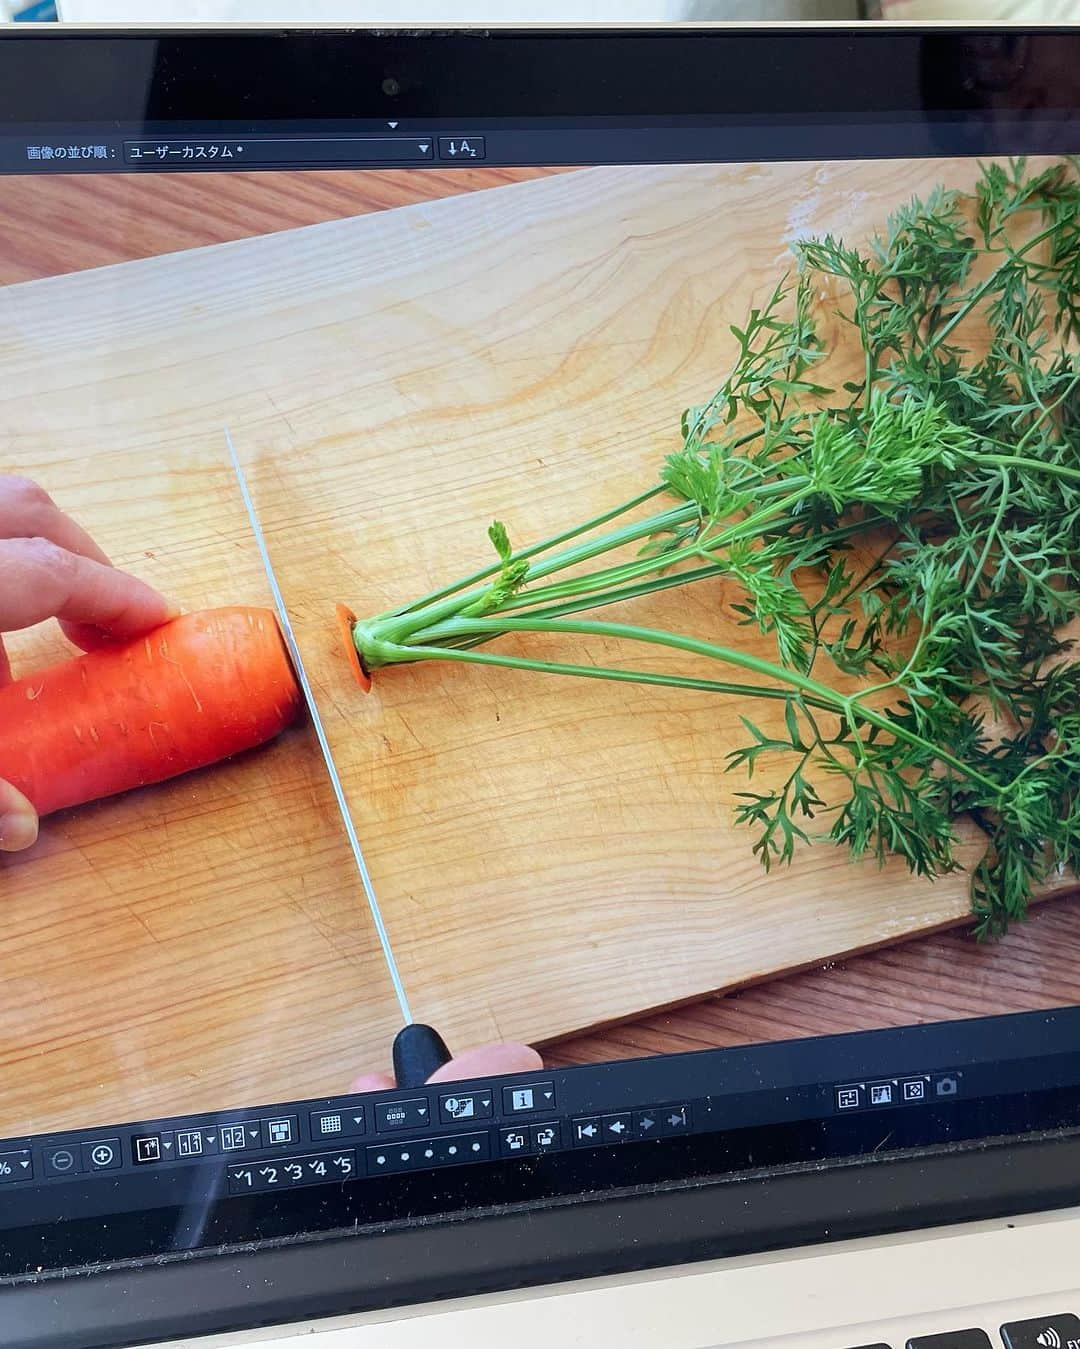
419	1051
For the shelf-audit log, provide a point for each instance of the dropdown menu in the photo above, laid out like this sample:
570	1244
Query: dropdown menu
294	151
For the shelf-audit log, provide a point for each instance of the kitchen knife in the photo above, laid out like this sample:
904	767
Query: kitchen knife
418	1050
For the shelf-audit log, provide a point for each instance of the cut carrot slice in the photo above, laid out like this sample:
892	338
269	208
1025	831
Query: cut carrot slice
346	619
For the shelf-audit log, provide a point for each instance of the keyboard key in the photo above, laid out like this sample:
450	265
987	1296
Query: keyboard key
952	1339
1061	1331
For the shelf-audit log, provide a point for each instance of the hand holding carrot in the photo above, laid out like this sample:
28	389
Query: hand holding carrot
51	568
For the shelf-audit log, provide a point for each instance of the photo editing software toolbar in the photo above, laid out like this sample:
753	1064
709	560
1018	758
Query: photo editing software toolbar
304	1144
894	1080
427	142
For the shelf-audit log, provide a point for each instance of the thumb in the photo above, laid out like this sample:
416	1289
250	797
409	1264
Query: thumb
18	820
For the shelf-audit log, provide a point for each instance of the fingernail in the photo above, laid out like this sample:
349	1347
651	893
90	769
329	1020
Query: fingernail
18	830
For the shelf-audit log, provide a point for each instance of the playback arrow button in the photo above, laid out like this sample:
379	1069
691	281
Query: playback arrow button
617	1128
676	1119
587	1132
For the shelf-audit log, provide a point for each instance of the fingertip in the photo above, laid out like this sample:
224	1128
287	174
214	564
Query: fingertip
18	820
373	1082
151	613
85	636
490	1060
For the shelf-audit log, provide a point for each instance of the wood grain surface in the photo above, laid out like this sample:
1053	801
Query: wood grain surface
479	799
66	223
175	949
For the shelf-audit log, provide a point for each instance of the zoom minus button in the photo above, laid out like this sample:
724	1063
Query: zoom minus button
61	1161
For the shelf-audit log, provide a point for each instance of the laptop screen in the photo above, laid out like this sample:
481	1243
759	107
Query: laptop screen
599	592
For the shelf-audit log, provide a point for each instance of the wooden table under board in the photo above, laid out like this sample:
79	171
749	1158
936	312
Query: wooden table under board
179	960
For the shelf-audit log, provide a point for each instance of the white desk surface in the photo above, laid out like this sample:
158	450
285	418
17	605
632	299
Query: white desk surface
441	12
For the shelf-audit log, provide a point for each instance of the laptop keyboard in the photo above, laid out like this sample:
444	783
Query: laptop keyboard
1057	1331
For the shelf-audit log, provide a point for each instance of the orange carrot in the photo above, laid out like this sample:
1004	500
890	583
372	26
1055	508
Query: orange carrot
198	689
346	619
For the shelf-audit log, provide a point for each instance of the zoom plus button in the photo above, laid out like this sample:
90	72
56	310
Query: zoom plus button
102	1154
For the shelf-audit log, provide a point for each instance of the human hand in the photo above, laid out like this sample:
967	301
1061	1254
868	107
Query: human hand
483	1061
51	568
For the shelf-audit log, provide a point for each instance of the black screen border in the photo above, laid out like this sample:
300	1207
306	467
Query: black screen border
52	76
60	75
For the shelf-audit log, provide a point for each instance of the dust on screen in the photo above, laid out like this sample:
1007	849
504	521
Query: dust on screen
684	561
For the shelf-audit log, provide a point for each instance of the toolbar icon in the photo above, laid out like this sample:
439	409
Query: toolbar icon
233	1137
189	1143
848	1098
586	1131
101	1154
464	1107
881	1094
462	147
148	1148
915	1090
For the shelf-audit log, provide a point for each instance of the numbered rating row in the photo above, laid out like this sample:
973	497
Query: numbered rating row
289	1173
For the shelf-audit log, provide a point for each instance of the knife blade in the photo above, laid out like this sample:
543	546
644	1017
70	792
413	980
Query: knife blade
320	734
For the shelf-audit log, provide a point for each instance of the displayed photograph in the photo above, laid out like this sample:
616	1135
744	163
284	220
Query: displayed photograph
592	612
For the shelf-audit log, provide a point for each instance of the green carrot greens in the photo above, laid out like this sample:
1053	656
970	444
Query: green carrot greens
908	538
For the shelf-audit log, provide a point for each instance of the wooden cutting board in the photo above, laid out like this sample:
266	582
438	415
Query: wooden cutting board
549	854
203	944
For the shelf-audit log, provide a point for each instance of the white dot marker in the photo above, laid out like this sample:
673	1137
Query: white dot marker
476	1147
452	1151
428	1152
404	1156
381	1161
